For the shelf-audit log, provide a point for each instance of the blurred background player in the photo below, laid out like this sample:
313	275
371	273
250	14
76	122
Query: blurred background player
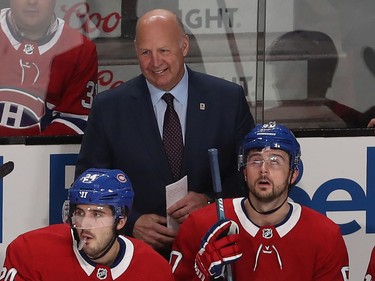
278	239
48	72
92	248
302	85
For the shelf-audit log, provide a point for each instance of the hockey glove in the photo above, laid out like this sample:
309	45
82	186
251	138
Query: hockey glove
219	247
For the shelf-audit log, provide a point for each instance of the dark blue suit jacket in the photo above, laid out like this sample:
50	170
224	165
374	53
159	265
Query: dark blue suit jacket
122	133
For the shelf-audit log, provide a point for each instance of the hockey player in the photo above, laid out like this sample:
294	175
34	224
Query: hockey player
48	72
370	273
89	246
265	237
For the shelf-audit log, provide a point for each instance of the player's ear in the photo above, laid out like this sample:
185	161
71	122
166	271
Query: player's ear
244	171
121	223
294	176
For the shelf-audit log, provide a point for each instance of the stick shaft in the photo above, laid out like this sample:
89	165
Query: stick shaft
218	192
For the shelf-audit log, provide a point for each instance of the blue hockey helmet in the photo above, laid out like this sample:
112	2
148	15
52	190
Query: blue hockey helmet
103	187
274	136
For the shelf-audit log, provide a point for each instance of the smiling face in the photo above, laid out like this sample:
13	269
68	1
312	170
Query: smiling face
161	47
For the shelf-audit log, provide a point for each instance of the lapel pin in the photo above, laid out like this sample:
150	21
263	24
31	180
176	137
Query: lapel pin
202	106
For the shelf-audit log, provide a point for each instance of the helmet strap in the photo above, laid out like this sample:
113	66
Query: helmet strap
266	212
106	248
75	235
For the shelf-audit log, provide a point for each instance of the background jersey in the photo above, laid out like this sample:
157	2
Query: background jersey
46	86
50	253
306	246
370	273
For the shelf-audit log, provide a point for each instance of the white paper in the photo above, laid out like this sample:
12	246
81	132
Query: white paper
174	192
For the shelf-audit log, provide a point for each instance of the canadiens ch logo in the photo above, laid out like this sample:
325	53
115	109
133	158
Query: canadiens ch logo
267	233
19	109
102	273
28	49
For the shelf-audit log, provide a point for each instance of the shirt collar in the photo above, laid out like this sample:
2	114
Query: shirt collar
179	91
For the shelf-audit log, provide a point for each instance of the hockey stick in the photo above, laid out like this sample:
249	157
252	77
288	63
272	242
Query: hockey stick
215	172
6	168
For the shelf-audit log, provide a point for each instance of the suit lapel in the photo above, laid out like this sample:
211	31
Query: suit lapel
196	118
148	127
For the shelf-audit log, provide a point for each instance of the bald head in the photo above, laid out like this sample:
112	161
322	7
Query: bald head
161	46
160	17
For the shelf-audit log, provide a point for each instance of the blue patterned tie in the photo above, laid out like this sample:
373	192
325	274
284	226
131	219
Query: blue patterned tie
172	137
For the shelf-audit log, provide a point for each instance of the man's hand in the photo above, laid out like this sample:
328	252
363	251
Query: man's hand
219	247
182	208
152	229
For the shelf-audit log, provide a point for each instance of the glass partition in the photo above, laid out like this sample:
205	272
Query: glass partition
307	64
319	70
301	63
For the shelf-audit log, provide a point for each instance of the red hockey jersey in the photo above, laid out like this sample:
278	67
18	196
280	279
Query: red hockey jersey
51	253
306	246
370	273
45	86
